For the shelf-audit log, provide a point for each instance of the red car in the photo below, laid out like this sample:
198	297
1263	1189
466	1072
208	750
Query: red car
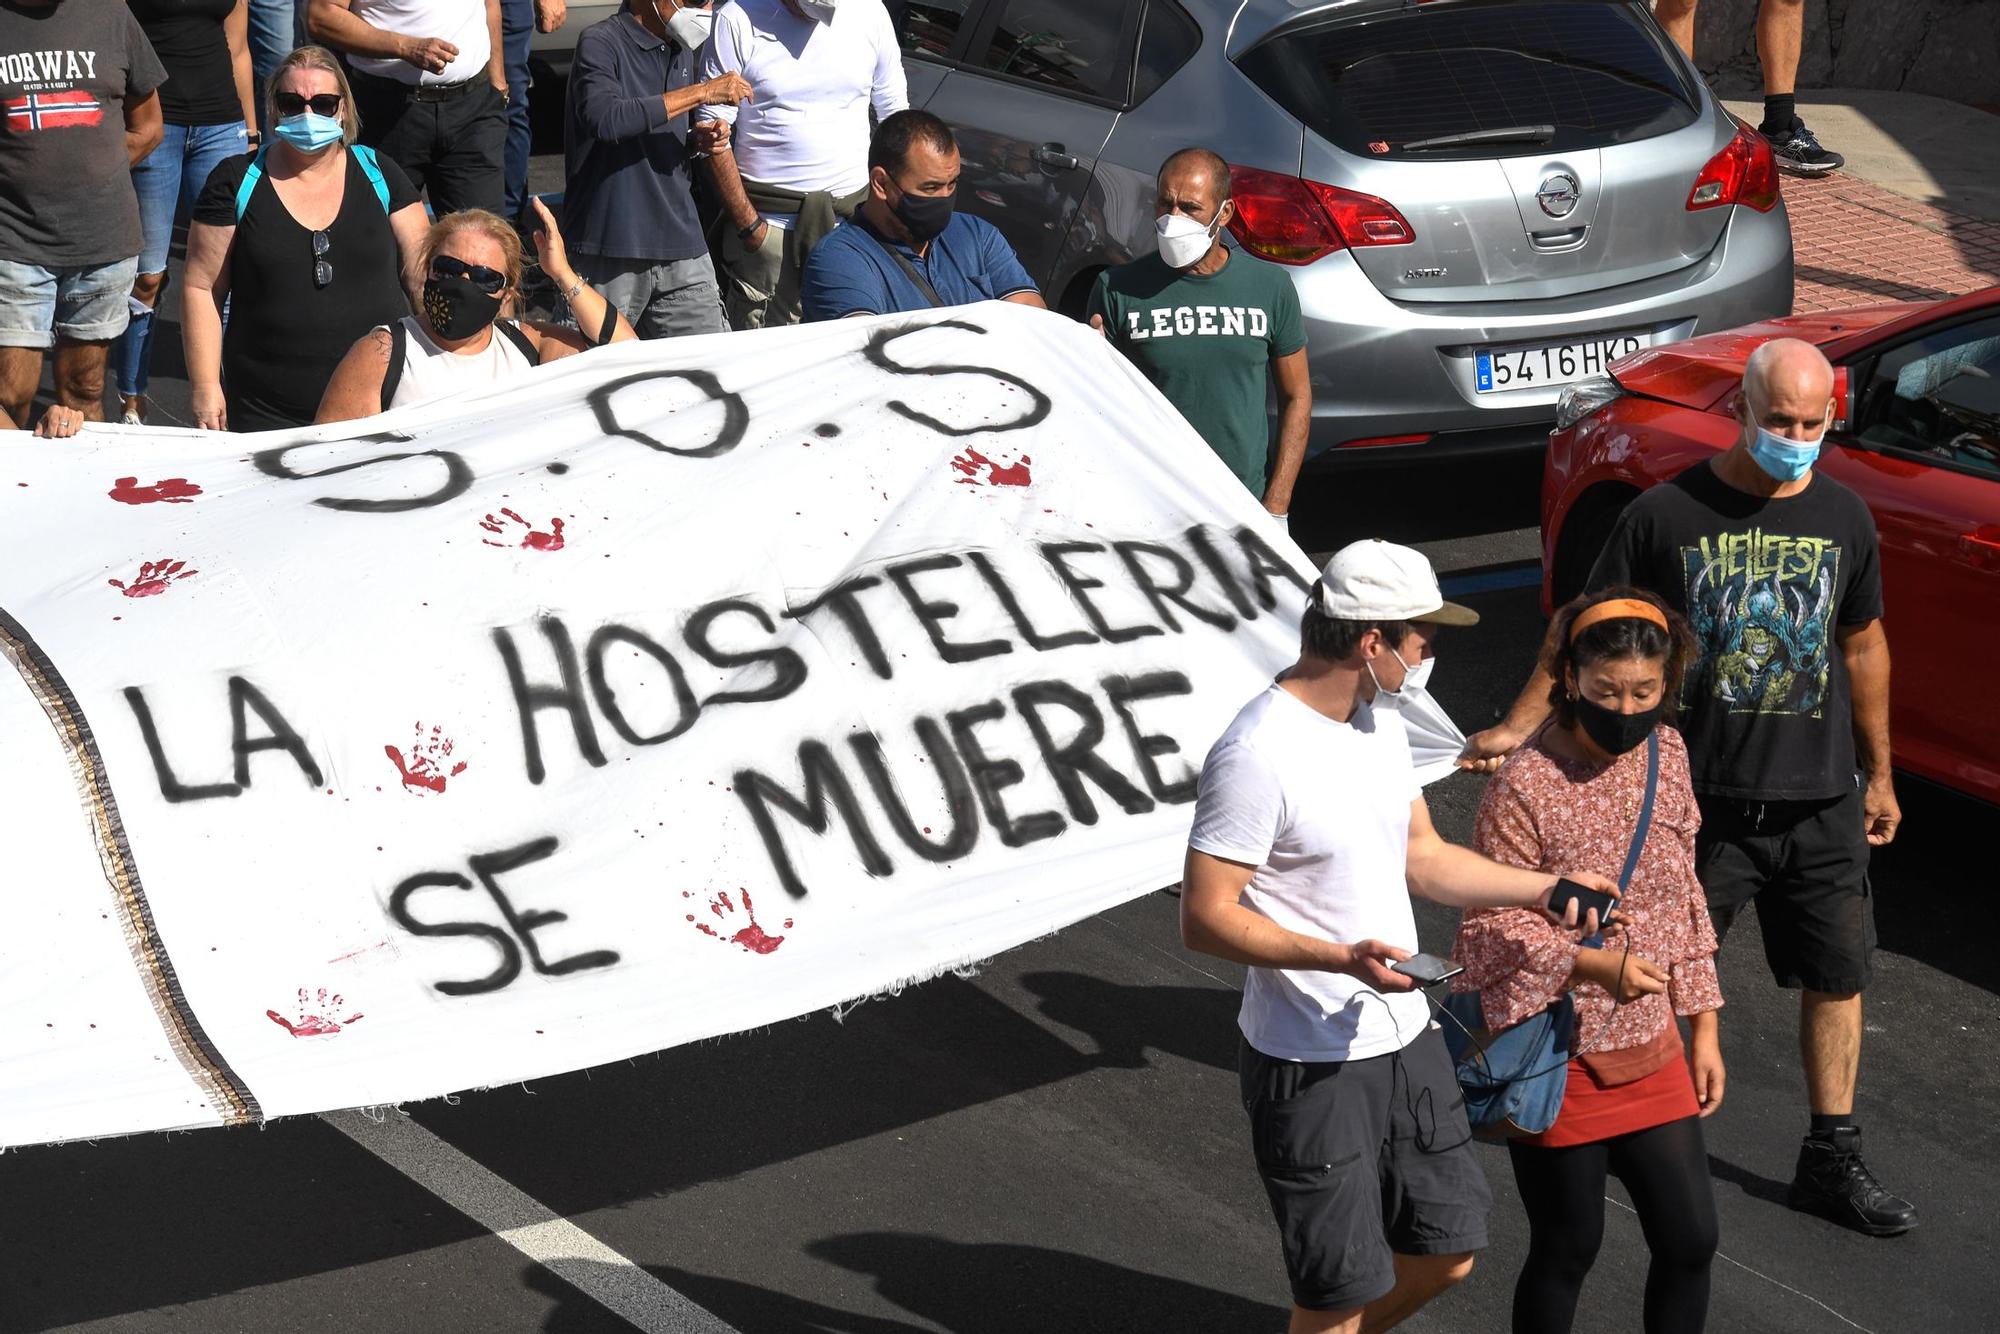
1916	433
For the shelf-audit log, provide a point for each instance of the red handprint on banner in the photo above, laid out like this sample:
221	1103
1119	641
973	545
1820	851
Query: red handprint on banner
316	1015
531	539
425	769
174	490
154	577
748	934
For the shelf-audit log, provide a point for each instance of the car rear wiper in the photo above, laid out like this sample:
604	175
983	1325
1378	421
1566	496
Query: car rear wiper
1505	134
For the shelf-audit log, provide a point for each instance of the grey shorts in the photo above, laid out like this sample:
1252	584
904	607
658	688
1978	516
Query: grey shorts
661	298
1363	1161
88	305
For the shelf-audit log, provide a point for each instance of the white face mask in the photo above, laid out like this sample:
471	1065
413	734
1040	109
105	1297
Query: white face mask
1413	677
690	27
1183	240
819	11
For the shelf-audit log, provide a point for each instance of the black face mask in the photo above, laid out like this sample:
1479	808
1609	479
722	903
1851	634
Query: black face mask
925	215
458	308
1615	732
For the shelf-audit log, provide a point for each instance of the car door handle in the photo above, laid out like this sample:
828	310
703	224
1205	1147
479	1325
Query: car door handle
1982	543
1053	157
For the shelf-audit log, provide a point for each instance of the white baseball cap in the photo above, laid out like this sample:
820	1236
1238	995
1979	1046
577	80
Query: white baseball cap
1373	580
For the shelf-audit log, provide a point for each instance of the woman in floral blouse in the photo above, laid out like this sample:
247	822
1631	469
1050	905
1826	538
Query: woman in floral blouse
1633	1104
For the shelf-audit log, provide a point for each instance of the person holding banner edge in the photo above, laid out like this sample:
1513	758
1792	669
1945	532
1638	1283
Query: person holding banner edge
1310	835
1608	772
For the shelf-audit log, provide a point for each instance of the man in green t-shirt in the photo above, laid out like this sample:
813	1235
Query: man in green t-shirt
1210	329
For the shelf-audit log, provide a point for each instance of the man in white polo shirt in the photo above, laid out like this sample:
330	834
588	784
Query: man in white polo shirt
795	159
430	84
1310	834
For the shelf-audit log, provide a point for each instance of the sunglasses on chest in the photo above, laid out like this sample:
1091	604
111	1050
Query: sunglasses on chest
295	104
485	279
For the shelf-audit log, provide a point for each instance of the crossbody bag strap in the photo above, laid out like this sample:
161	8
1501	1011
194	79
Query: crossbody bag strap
1644	826
392	375
910	271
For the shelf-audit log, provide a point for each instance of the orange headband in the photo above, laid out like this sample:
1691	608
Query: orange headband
1617	609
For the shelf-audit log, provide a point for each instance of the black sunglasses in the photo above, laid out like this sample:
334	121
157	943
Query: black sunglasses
322	267
295	104
486	280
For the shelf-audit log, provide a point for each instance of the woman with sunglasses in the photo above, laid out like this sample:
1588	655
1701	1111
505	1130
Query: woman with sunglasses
310	241
210	113
1633	1102
472	275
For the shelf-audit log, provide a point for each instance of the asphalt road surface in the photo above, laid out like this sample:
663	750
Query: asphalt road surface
1051	1143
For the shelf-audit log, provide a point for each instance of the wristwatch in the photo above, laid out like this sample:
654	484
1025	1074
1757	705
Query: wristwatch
745	233
255	138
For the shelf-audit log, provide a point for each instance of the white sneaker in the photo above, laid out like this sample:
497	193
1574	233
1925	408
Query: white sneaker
131	418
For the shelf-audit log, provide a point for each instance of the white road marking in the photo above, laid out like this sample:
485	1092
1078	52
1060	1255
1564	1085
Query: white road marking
526	1224
1766	1277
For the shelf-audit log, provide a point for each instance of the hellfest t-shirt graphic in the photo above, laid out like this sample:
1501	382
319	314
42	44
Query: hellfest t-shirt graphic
1761	606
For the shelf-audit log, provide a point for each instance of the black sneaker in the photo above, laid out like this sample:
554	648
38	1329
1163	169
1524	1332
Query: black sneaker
1798	151
1833	1181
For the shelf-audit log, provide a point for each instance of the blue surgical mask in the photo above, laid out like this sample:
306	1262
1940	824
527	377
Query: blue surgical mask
309	131
1786	460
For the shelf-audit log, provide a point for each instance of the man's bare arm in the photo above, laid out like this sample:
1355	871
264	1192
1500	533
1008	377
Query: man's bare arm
734	198
1865	648
1214	921
1295	406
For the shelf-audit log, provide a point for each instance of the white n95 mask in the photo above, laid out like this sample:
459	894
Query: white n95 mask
1182	239
690	27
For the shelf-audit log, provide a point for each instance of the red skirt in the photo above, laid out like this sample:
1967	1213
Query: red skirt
1592	1111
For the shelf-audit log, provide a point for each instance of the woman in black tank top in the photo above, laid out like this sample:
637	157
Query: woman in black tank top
301	286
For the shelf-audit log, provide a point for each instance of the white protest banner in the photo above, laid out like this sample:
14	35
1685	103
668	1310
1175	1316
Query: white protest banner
684	688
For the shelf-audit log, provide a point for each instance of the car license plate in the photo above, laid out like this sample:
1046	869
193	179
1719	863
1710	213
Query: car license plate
1558	363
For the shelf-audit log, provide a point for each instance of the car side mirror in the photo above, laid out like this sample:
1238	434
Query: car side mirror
1843	411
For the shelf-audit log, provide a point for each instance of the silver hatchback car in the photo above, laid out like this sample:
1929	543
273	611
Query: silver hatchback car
1480	201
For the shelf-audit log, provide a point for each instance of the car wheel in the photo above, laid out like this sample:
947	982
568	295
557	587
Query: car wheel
1583	537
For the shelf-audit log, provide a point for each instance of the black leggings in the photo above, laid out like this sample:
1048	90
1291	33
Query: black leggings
1665	1169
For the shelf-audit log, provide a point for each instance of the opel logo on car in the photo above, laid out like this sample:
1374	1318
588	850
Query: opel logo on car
1558	194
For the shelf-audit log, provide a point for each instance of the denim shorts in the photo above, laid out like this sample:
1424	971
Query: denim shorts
39	305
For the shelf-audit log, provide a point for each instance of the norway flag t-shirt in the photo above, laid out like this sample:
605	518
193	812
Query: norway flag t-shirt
66	68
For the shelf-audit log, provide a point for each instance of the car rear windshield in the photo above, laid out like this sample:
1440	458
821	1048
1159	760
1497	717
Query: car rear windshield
1533	75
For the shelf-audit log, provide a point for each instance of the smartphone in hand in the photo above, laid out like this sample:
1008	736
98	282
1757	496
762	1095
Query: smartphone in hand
1567	892
1428	969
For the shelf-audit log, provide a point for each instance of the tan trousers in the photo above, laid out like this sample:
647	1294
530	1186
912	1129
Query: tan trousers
760	288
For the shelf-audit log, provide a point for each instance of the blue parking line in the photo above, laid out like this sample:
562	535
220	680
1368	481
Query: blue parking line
1525	575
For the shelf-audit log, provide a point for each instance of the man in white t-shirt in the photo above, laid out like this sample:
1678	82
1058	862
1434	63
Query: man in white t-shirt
430	85
1310	834
793	160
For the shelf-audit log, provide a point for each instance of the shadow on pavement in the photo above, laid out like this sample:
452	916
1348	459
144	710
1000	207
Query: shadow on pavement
1926	880
650	1127
964	1287
203	1213
1757	1187
1127	1022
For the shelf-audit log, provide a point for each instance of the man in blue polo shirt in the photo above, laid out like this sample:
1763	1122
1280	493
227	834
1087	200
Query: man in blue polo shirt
628	216
905	249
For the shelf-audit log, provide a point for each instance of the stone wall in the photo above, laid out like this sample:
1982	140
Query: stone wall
1946	48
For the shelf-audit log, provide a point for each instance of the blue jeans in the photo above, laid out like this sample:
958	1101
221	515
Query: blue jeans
171	173
517	27
275	28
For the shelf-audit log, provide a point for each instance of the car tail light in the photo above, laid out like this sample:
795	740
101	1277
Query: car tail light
1744	172
1292	221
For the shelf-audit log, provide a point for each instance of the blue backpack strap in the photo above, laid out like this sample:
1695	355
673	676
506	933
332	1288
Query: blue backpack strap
373	171
251	175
